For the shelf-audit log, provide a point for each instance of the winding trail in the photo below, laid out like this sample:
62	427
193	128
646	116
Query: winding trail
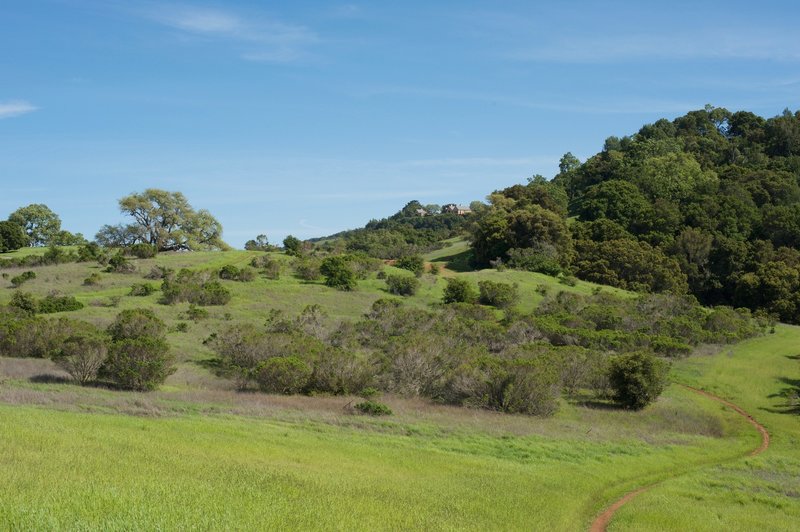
601	522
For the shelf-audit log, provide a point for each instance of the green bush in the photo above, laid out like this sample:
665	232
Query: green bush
637	379
413	263
139	357
500	295
142	289
54	303
232	273
19	280
119	263
83	353
194	287
338	273
143	251
402	285
459	290
373	408
284	375
307	268
12	237
93	279
270	268
196	313
136	323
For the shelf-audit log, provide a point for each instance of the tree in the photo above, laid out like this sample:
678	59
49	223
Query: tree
292	245
83	353
40	223
12	237
459	290
165	220
259	244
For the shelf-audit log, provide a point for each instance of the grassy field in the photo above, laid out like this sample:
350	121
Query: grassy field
197	454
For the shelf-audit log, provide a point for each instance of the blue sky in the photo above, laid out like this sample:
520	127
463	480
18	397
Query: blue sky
312	117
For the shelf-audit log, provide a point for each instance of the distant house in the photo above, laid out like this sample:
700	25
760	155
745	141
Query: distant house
421	212
452	208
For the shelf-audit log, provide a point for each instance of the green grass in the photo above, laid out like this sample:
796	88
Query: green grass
755	493
197	455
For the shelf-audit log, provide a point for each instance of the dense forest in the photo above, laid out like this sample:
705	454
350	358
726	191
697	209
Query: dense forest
708	204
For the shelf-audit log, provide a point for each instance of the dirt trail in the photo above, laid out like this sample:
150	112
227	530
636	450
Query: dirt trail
601	522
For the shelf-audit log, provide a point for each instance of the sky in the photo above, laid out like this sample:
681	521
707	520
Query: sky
308	118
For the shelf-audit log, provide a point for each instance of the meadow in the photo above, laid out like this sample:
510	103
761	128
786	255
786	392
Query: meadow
198	454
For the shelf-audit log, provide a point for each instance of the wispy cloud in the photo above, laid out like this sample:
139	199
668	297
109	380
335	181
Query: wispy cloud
258	38
15	108
673	46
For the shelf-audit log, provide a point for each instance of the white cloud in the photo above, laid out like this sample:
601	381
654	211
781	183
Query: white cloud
261	38
15	108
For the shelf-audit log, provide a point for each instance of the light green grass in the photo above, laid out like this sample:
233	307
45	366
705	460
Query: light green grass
755	493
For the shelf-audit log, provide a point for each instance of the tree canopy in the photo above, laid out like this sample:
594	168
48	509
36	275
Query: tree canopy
165	220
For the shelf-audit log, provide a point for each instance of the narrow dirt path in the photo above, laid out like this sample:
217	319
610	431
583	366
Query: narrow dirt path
601	522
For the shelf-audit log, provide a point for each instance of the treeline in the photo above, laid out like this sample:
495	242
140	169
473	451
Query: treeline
415	229
597	346
707	204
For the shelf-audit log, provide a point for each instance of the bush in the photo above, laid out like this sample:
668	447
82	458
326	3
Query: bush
340	373
413	263
136	323
93	279
143	251
54	303
285	375
270	268
637	379
459	290
19	280
194	287
119	263
373	408
196	313
160	272
338	273
139	364
500	295
543	259
307	268
83	354
142	289
232	273
12	237
139	357
402	285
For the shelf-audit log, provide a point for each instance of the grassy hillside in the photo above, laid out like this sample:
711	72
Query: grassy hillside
196	453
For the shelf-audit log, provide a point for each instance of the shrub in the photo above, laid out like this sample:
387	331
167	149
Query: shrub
119	263
196	313
637	379
338	273
340	373
93	279
544	259
182	327
307	268
232	273
285	375
270	268
136	323
459	290
143	251
373	408
413	263
142	289
500	295
12	237
90	252
193	287
55	303
402	285
435	269
160	272
83	354
19	280
139	363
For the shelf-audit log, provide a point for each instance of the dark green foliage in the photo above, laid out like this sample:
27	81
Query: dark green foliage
12	237
194	287
270	268
637	379
93	279
90	252
541	258
338	273
402	285
196	313
55	303
19	280
24	302
142	289
413	263
459	290
139	357
293	246
259	244
41	225
373	408
500	295
232	273
119	263
307	268
284	375
142	250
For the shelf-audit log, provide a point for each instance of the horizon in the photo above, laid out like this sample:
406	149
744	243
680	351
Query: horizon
309	119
